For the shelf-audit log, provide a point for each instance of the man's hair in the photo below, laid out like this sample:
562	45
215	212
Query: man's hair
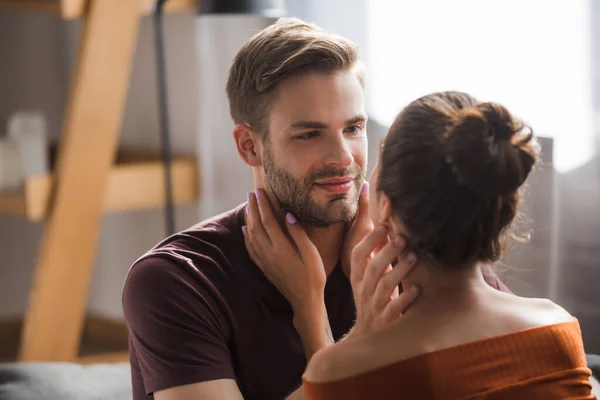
287	48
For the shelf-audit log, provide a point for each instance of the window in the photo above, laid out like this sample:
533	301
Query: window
533	56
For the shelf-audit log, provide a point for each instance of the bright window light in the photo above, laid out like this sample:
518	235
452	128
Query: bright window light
533	56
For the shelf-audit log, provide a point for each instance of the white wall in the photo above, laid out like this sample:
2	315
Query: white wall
226	179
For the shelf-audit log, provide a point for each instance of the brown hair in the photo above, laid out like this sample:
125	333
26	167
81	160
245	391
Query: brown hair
452	167
284	49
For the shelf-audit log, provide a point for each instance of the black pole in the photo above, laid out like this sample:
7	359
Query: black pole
164	115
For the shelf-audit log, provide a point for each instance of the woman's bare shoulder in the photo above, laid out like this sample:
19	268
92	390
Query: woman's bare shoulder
539	311
339	361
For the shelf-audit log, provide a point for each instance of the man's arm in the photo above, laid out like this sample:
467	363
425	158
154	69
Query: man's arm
178	335
223	389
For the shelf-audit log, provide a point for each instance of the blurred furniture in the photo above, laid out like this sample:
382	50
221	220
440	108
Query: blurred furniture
90	176
65	381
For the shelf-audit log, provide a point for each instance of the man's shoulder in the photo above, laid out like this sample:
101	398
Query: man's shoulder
222	230
224	224
212	249
214	237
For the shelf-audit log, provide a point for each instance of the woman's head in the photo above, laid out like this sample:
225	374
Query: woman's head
449	174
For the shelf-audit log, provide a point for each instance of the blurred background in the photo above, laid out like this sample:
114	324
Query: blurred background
540	58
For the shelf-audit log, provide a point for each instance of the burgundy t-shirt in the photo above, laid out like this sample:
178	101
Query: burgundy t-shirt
198	309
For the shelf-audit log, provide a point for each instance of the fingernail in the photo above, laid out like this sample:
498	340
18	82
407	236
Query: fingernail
249	196
399	242
244	230
365	187
411	258
257	192
290	218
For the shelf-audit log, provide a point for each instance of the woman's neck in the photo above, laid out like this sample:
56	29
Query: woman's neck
440	288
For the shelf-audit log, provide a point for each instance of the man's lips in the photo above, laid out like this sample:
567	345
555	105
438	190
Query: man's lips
335	185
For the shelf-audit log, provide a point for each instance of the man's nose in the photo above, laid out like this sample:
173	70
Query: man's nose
339	152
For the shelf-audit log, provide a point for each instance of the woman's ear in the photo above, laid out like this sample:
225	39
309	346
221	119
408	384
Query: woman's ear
248	145
385	209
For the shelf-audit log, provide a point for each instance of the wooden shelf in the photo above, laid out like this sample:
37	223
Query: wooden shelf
132	185
70	9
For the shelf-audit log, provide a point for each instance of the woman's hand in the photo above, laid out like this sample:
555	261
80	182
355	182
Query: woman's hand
295	268
356	230
375	282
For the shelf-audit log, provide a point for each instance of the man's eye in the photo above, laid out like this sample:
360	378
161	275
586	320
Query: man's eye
354	129
307	135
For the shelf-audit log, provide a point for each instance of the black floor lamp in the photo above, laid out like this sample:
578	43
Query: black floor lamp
269	8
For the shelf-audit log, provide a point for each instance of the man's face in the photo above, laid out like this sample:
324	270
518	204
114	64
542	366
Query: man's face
315	154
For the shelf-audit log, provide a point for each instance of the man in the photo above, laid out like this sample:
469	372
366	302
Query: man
205	322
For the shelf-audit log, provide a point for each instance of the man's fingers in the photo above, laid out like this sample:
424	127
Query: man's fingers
390	280
400	304
362	251
380	261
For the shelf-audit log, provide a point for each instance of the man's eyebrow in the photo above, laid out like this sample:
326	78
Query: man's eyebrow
307	125
357	119
321	125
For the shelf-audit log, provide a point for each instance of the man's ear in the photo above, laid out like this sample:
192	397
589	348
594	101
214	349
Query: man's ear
248	145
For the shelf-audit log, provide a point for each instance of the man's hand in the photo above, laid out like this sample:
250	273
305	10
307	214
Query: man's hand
375	282
360	226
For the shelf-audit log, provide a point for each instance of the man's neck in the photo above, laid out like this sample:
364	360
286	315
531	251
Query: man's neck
328	242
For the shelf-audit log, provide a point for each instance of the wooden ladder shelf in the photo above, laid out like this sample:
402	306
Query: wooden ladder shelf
86	182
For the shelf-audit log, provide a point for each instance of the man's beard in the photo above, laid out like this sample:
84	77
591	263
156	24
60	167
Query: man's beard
293	194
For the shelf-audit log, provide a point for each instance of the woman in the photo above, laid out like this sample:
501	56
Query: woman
448	180
447	184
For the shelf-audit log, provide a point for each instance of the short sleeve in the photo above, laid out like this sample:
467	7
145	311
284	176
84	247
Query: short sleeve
178	334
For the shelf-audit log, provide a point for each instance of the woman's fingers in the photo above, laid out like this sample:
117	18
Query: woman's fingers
249	247
388	284
255	231
400	304
269	221
305	246
361	253
375	268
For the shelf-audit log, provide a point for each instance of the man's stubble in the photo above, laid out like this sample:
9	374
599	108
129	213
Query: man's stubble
294	194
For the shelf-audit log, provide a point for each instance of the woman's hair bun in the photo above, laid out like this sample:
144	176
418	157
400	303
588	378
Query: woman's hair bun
489	151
